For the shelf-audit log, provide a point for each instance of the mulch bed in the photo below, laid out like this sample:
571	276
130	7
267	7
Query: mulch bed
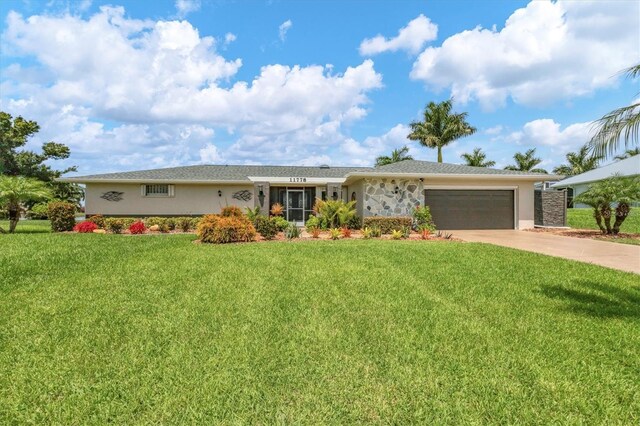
586	233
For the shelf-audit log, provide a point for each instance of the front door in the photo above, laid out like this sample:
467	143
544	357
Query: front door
295	206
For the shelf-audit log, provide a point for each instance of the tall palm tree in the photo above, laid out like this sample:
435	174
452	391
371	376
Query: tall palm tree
578	162
628	153
526	162
440	126
618	125
477	159
15	190
397	155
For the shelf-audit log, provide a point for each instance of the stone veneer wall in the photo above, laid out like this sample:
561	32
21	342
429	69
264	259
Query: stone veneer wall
550	208
380	198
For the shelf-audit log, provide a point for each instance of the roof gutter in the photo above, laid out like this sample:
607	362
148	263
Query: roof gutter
169	181
530	178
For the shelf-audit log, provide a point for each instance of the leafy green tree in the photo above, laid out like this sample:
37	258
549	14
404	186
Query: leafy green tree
622	124
578	162
440	126
396	156
16	190
602	196
477	159
15	161
526	162
628	153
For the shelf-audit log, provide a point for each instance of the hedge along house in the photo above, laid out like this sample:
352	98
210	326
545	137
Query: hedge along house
460	197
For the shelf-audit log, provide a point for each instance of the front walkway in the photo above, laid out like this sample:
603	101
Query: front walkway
624	257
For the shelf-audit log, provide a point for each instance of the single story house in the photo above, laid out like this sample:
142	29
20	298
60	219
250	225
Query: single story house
460	197
579	183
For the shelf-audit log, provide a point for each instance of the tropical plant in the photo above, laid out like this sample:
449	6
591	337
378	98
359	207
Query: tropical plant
334	213
62	216
397	155
232	211
526	162
622	124
266	227
16	190
376	231
578	162
277	209
628	153
440	126
346	232
366	233
425	231
116	225
220	230
39	211
292	232
281	222
86	227
98	219
315	233
252	214
477	159
602	196
312	223
139	228
397	234
334	233
422	218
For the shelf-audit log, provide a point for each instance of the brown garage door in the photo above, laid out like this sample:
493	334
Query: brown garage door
471	209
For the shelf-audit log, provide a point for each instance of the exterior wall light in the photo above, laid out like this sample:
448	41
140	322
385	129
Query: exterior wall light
219	192
261	195
335	192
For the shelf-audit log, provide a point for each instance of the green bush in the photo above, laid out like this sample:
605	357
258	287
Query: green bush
334	213
98	219
334	233
388	224
281	222
114	224
366	233
312	223
162	222
171	223
232	211
62	216
253	214
376	232
219	230
184	224
292	232
397	234
422	218
39	211
354	222
266	227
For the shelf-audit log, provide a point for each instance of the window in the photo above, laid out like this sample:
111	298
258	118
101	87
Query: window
157	190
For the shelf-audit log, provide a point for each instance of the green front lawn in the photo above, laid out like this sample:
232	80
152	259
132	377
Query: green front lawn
28	226
583	219
157	329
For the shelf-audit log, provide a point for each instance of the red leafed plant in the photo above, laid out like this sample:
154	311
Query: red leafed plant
315	232
346	232
137	227
85	227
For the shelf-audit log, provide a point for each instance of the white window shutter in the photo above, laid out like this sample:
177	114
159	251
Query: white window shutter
171	190
143	191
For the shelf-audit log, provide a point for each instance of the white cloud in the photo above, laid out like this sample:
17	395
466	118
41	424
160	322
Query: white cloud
546	132
184	7
411	38
283	28
495	130
228	39
545	52
210	154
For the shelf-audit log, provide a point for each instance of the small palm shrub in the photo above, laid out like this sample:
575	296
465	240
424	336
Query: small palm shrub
292	232
334	213
62	216
266	227
114	224
366	233
137	228
277	209
315	233
220	230
345	231
253	214
396	234
98	219
231	211
85	227
334	233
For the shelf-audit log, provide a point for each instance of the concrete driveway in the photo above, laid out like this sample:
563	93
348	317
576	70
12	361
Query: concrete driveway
624	257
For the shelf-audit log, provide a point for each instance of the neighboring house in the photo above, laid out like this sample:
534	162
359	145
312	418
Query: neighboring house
460	197
579	183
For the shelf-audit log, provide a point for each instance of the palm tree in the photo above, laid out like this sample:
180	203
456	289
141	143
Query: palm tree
526	162
440	126
628	153
619	124
397	155
578	162
477	159
15	190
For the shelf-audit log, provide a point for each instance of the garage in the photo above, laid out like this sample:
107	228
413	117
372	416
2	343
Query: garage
471	208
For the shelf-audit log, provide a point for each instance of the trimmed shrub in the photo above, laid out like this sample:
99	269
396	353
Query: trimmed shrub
266	227
137	227
312	223
114	224
422	218
354	222
162	222
183	224
86	227
98	219
281	222
292	232
39	211
171	223
62	216
194	223
231	211
388	224
219	230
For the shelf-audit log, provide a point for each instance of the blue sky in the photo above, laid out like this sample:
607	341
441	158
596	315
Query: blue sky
146	84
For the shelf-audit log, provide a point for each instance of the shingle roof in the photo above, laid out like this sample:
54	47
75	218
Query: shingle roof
222	173
627	167
429	167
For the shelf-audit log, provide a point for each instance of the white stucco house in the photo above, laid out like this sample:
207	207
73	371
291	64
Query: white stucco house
579	183
460	197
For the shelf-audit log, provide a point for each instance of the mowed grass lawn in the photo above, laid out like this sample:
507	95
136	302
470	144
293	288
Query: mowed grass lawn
583	219
157	329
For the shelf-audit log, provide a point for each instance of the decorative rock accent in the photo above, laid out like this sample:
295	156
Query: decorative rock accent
381	199
550	208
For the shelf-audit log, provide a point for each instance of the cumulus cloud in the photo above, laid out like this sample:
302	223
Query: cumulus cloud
546	132
228	39
545	52
411	38
283	28
184	7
